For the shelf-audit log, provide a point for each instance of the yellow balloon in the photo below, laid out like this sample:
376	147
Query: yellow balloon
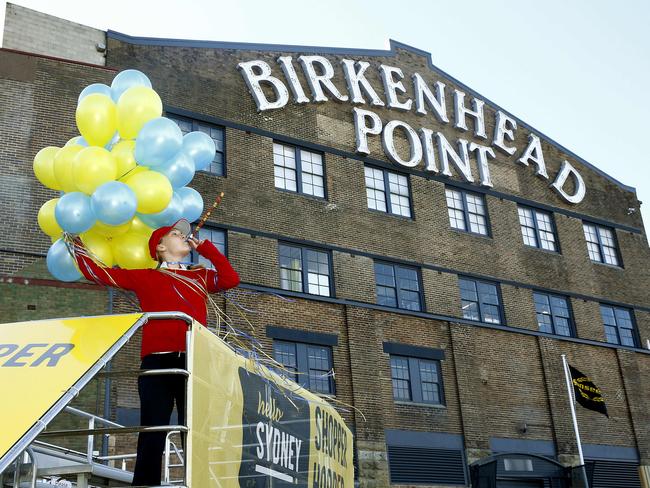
55	238
99	246
46	219
44	167
139	227
110	230
152	189
124	157
92	167
97	119
131	251
137	106
63	167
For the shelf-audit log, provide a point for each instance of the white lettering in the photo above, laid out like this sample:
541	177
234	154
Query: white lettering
392	86
426	135
477	112
356	79
461	161
501	131
292	77
388	141
579	192
533	152
482	154
318	82
436	102
254	81
362	130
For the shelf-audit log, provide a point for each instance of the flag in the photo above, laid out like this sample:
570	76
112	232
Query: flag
586	393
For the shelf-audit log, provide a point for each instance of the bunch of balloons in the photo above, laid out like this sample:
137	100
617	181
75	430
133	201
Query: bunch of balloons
125	176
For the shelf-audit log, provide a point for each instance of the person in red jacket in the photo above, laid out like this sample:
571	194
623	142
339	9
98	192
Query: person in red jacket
173	286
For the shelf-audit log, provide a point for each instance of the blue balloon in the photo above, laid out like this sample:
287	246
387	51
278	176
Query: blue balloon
168	216
95	88
125	80
73	213
113	141
192	203
179	170
200	147
158	141
114	203
80	141
60	263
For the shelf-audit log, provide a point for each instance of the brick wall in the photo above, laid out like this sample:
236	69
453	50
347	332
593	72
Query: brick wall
35	32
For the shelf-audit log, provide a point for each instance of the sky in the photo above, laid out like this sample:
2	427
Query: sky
577	70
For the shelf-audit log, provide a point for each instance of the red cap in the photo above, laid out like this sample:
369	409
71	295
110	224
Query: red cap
182	225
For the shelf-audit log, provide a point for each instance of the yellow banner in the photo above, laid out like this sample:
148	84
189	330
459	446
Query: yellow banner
251	427
42	359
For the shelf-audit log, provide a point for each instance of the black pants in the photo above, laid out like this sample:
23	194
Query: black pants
157	397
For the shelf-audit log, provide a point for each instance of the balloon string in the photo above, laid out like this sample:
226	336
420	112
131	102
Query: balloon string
206	216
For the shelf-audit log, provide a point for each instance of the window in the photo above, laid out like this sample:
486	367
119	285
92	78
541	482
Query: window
480	301
467	211
298	170
398	286
537	228
387	191
218	164
619	325
416	380
601	244
216	237
305	270
553	314
310	364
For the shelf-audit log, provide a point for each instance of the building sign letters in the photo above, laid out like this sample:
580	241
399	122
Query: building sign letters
439	155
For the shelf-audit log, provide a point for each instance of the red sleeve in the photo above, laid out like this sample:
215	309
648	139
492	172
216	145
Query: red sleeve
121	278
223	277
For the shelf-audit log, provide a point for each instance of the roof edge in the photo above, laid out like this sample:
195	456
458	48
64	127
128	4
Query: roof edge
392	52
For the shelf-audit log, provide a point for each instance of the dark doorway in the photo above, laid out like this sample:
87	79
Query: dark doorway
520	484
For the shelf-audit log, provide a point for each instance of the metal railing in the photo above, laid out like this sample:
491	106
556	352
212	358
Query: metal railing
23	448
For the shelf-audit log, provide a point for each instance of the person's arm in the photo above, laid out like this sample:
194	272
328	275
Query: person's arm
223	277
121	278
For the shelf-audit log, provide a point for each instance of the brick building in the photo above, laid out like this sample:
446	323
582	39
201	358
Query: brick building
435	251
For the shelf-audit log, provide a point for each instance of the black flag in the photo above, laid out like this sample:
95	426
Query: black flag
587	394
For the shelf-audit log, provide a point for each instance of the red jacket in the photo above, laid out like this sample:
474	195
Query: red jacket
157	291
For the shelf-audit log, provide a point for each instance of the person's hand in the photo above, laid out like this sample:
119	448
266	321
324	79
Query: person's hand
194	242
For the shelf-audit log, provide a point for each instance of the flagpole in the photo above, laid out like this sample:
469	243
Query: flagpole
567	377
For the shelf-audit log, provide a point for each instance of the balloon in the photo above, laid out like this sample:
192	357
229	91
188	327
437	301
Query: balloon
80	141
137	106
200	147
132	172
158	141
92	167
113	203
73	213
46	219
179	169
168	216
97	119
60	263
94	88
139	227
192	203
99	246
63	167
114	140
44	167
153	191
111	230
125	80
124	157
131	251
